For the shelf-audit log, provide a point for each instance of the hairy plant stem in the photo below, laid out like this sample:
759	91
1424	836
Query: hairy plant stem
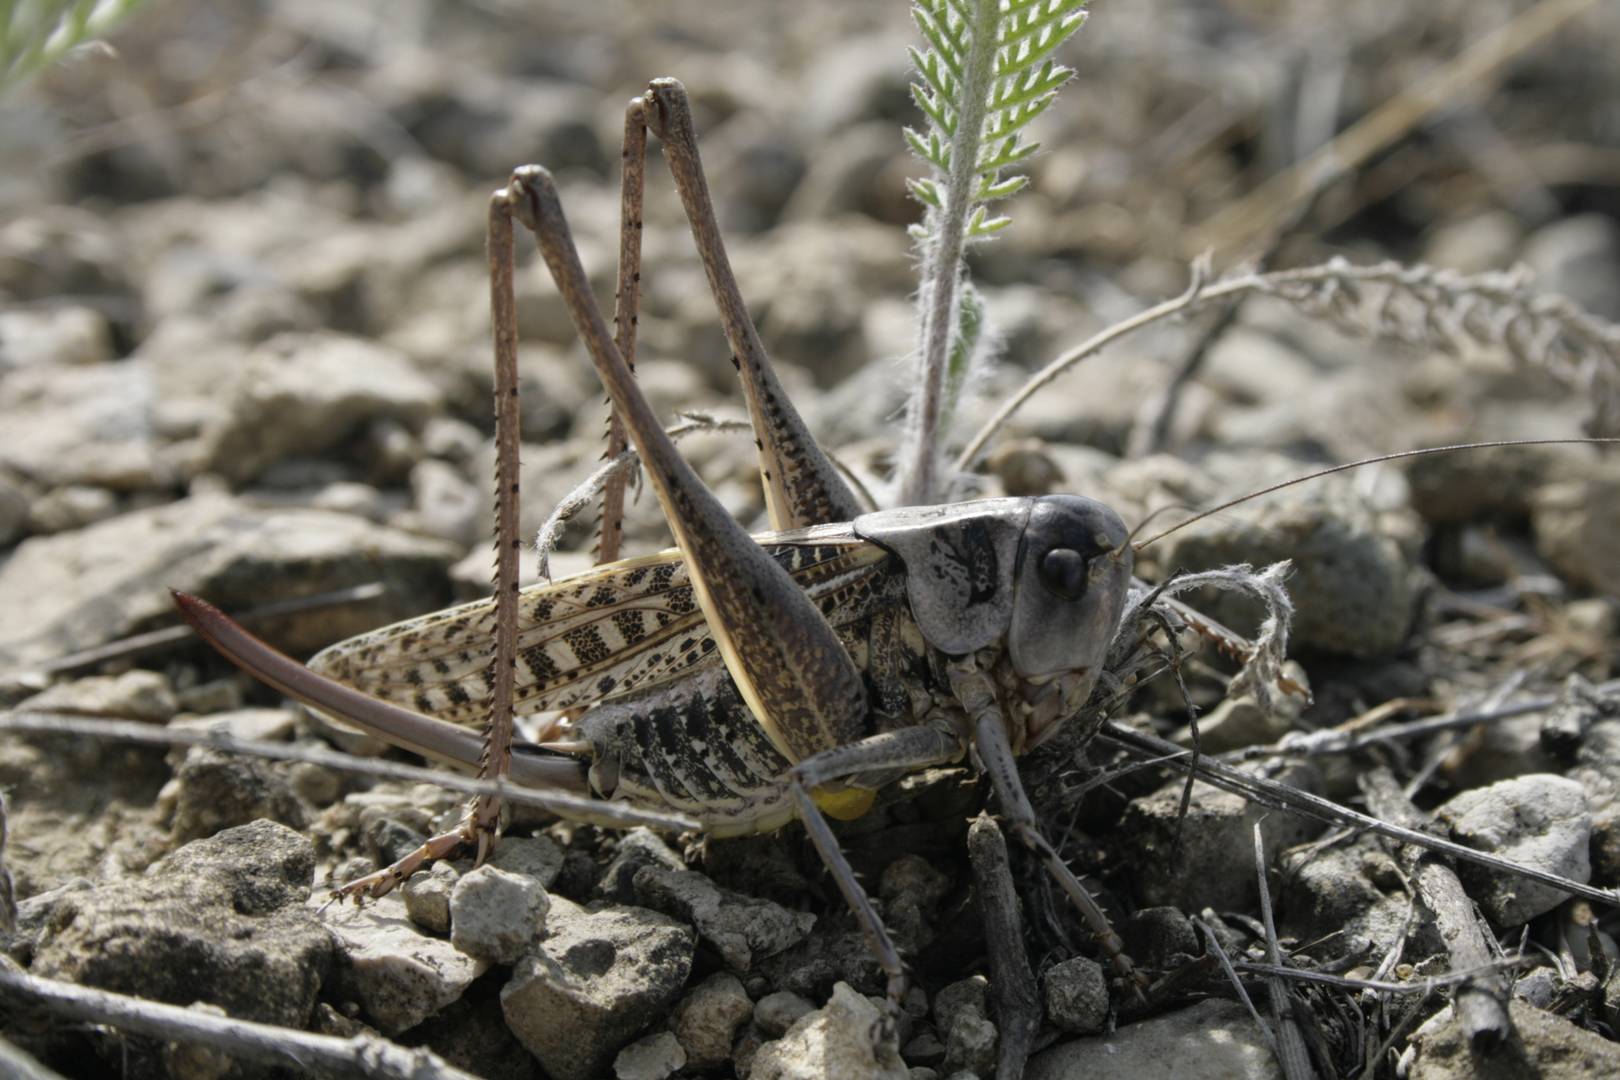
942	268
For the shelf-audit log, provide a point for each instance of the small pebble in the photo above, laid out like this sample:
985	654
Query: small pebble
777	1012
494	915
652	1057
707	1018
1076	996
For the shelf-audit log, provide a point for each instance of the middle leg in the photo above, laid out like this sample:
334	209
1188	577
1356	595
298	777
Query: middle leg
904	750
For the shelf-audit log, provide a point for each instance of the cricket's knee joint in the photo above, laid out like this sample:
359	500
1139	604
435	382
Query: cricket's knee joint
524	192
815	770
669	110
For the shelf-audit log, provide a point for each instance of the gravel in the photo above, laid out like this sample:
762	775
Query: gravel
244	353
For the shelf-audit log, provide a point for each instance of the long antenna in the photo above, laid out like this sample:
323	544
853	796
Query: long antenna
1422	452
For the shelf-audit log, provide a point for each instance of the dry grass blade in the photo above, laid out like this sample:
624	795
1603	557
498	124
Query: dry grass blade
1343	982
155	640
1342	740
1290	1044
1428	307
1256	214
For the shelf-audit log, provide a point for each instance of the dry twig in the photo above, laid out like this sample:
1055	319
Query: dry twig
1411	305
1012	983
361	1055
1482	1005
1270	793
1289	1044
44	723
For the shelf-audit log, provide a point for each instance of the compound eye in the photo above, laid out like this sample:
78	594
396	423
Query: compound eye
1063	570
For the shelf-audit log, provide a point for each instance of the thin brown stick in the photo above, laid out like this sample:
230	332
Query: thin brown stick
1481	1005
1289	1047
1195	295
154	640
1265	792
362	1055
532	773
1378	986
1150	434
1413	305
1213	946
1012	983
1340	740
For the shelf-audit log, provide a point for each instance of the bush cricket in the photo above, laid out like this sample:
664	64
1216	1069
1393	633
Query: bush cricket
740	681
745	681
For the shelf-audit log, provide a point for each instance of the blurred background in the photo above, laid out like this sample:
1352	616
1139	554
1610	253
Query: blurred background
241	254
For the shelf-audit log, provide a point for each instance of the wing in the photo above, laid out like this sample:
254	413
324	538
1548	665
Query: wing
628	626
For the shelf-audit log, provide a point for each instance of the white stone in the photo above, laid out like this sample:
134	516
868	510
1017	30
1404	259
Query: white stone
397	974
1538	820
832	1041
495	915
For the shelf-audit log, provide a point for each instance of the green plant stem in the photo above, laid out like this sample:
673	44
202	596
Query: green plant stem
942	269
34	36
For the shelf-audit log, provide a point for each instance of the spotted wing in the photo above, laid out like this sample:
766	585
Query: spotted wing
631	625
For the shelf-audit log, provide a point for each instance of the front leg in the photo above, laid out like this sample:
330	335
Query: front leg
976	692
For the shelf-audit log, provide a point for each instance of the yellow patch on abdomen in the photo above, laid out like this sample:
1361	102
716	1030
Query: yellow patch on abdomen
845	804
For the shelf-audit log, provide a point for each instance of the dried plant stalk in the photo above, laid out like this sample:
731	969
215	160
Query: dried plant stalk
1415	305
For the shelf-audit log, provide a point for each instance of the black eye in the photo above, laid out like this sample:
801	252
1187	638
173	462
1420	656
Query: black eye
1063	570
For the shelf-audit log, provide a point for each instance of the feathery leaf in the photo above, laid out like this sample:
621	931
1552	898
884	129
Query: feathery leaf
1022	81
986	73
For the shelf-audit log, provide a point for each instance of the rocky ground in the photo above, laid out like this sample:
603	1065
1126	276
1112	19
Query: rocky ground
243	352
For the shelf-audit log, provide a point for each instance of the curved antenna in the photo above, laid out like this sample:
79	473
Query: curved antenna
1115	553
1318	474
1140	525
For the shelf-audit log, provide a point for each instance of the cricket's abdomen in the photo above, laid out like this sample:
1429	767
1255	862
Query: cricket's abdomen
699	750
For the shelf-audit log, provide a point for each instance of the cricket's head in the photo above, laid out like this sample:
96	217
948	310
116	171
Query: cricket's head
1074	570
1045	578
